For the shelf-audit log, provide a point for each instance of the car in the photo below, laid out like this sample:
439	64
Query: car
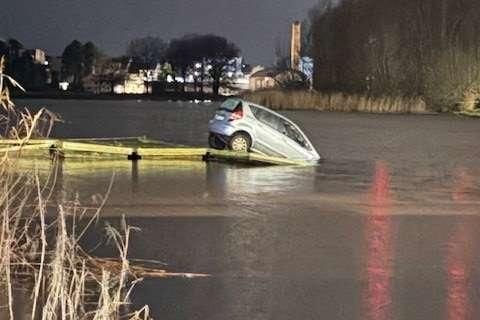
244	126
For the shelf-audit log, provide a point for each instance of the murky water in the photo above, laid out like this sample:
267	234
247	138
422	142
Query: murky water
386	228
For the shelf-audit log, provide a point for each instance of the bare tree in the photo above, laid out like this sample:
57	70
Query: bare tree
428	48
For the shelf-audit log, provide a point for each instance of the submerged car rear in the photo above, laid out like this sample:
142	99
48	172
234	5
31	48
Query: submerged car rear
223	125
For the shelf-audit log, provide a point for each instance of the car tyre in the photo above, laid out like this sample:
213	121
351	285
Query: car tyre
240	142
215	142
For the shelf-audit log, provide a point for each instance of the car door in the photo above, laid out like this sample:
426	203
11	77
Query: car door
268	139
284	137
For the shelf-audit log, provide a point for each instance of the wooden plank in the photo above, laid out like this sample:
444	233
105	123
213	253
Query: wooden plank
251	157
171	152
87	148
105	139
97	148
14	148
29	142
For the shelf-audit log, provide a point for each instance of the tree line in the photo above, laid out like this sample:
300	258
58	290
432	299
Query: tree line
203	56
427	48
21	66
200	55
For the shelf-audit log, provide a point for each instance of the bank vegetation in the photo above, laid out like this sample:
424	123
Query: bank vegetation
399	48
41	256
338	102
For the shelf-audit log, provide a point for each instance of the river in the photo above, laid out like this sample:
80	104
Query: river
385	228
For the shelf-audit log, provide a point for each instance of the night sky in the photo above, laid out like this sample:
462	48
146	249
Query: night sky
253	25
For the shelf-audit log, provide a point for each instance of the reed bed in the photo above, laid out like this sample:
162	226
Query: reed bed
339	102
41	252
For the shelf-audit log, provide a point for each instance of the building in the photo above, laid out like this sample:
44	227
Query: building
136	83
296	46
38	56
273	78
263	79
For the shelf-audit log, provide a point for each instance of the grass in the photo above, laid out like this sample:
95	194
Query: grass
339	102
44	256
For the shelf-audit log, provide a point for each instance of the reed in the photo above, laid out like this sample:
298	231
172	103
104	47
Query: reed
339	102
42	253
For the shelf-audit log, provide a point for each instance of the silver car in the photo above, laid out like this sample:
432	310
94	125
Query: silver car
244	126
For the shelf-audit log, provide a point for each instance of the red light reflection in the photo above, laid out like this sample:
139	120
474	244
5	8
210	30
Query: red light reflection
458	259
377	295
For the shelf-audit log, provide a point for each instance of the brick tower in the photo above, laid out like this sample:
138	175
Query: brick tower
296	45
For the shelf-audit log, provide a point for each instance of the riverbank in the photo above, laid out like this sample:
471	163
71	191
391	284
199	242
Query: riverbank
167	96
244	226
274	99
338	102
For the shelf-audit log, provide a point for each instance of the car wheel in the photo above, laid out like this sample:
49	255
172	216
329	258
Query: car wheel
215	142
240	142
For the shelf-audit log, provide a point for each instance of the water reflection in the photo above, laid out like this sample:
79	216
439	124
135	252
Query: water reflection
377	295
249	253
459	256
277	251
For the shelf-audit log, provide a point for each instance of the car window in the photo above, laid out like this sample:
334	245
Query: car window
293	133
281	125
230	105
268	118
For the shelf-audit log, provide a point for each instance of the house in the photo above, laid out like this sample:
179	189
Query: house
273	78
122	77
38	56
263	79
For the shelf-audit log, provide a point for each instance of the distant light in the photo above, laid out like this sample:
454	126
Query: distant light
119	89
169	79
209	67
198	65
229	74
63	86
46	63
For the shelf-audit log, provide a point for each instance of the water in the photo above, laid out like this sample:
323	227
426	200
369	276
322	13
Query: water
385	228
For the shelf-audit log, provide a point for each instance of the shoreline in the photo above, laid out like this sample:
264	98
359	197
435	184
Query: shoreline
258	97
188	96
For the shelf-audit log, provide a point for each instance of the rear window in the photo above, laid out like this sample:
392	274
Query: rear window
230	105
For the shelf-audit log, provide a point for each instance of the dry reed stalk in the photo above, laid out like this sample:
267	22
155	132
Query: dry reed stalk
63	278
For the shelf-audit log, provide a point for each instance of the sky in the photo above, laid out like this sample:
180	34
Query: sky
254	25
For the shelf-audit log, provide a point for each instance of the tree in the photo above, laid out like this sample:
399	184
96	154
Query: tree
73	62
207	50
149	50
218	52
4	48
91	55
181	56
15	48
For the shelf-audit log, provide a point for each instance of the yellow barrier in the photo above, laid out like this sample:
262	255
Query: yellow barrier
93	149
